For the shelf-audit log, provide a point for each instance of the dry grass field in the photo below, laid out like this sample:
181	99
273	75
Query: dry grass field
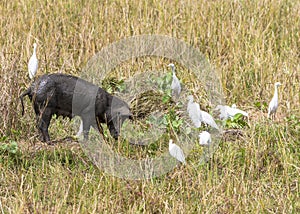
251	45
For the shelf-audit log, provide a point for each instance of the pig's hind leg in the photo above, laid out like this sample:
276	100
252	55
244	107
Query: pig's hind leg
43	124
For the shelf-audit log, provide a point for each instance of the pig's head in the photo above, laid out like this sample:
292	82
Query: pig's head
118	112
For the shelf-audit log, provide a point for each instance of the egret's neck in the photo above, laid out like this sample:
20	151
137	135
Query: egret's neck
173	70
276	91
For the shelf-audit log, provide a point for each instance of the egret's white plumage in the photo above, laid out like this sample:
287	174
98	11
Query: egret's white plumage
234	110
175	86
33	63
204	138
197	115
176	152
273	105
229	112
208	119
194	111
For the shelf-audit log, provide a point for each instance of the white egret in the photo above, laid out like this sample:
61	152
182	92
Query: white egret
175	86
273	105
194	111
33	63
208	119
229	112
176	152
204	138
197	115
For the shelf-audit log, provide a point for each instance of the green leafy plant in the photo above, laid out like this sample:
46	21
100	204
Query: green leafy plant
261	105
236	122
167	96
167	92
163	84
3	138
172	121
10	148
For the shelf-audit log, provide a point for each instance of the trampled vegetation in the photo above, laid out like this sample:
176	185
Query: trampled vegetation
251	44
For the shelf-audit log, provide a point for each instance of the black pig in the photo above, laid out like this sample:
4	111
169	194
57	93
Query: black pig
67	96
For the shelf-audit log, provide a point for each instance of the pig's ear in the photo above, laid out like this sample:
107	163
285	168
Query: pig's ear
124	111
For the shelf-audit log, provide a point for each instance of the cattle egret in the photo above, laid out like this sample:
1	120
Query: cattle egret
175	86
33	63
176	152
197	115
204	138
208	119
229	112
273	105
194	111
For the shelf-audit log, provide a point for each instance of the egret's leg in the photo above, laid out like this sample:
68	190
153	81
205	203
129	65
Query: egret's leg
274	116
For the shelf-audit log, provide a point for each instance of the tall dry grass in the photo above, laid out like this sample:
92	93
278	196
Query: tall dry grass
252	44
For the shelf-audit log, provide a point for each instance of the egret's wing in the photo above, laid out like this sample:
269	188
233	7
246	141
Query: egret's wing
177	153
208	119
175	86
195	114
32	66
241	112
233	111
272	107
175	83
